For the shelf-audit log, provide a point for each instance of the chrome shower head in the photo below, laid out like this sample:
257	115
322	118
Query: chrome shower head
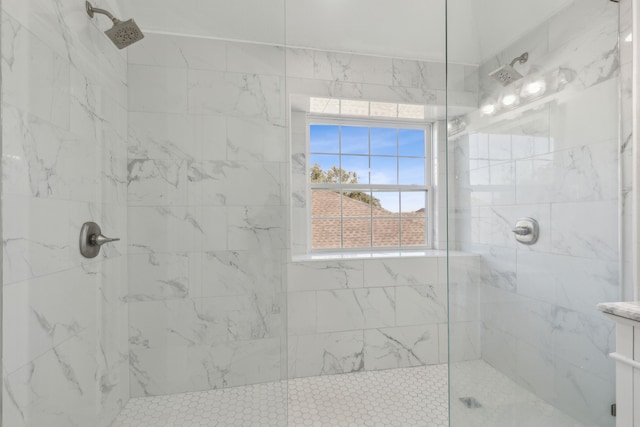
123	33
506	74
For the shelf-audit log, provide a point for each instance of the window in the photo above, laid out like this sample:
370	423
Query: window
369	184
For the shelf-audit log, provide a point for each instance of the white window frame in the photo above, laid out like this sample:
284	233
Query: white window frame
313	119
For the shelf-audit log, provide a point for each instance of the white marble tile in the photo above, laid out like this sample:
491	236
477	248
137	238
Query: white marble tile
464	341
45	312
164	136
61	378
401	347
335	353
42	243
584	340
583	395
226	273
255	140
210	227
582	173
299	63
157	182
255	59
499	349
38	83
259	228
234	183
302	313
571	282
176	323
159	276
419	74
204	367
258	315
42	160
416	305
343	310
401	94
324	275
325	88
172	51
245	95
162	229
157	89
581	120
401	272
573	232
352	68
170	323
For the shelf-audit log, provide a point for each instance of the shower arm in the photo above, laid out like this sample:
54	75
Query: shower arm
91	10
521	59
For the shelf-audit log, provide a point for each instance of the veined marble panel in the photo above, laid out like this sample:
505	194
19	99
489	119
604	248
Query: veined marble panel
573	232
260	228
401	347
145	95
234	183
325	275
323	354
418	305
38	82
157	182
401	272
226	273
179	52
343	310
235	94
159	276
64	377
197	368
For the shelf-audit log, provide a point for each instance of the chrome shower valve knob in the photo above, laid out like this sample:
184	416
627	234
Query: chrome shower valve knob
91	239
526	231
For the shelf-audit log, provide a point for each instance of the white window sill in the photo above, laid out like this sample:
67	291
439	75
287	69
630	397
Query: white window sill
357	255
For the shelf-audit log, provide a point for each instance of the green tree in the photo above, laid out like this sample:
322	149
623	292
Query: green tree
337	175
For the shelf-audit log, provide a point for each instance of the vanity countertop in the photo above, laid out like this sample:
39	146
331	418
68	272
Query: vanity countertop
629	310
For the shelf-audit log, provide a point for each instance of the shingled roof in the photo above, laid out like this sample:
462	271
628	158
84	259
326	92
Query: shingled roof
357	228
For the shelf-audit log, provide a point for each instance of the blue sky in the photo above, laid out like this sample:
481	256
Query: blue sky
384	170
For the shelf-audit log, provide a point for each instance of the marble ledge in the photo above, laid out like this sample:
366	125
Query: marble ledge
358	255
629	310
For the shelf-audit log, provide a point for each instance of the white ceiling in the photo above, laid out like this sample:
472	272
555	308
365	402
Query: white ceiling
398	28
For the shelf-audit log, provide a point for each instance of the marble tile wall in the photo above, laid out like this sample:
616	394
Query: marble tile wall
369	314
207	214
374	313
64	124
556	162
209	196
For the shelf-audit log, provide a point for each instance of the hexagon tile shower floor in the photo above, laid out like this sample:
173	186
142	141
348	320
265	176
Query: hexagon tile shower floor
407	397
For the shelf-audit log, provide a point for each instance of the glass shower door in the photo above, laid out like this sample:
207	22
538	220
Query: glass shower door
526	343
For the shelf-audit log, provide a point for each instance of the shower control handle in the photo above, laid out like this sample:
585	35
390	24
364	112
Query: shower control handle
522	231
526	231
99	240
92	239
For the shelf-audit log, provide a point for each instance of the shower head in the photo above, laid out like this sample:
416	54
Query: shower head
123	33
506	74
